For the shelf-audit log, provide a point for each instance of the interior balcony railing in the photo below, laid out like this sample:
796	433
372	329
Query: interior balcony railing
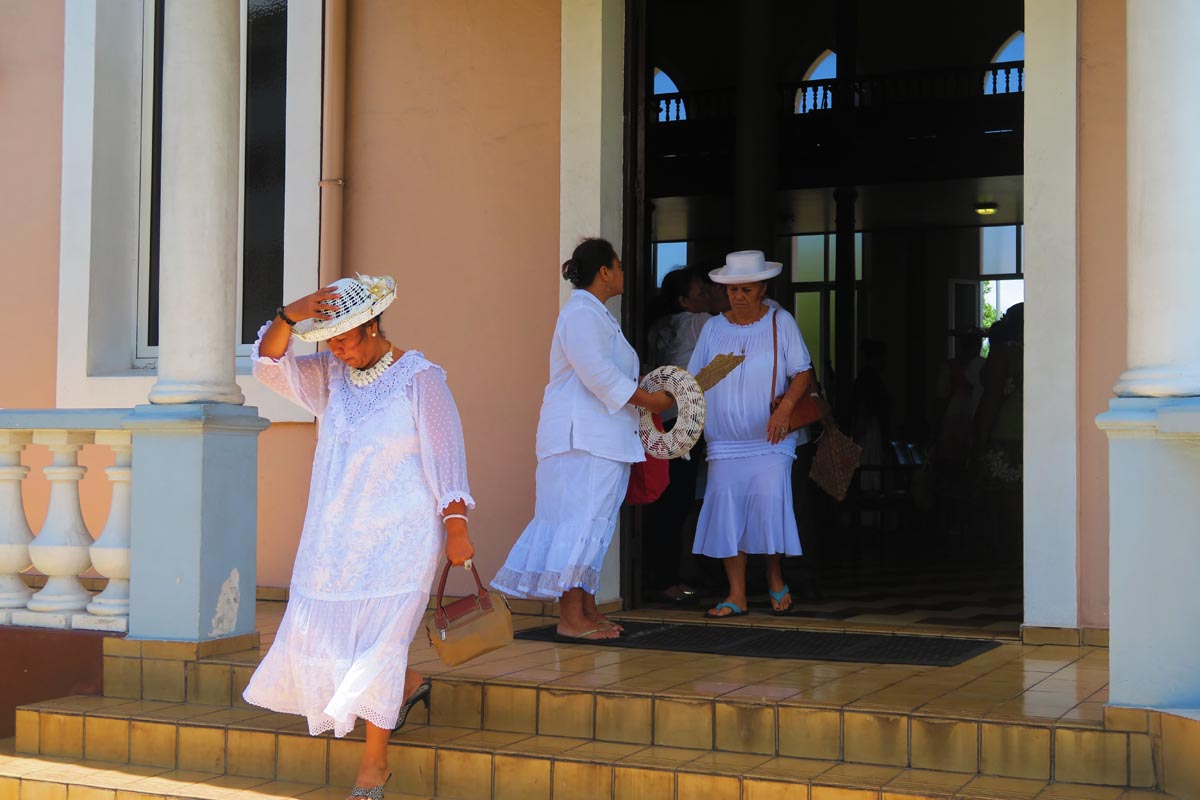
943	84
42	576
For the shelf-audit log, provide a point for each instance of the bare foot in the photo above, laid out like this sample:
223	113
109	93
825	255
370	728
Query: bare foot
723	609
588	631
784	601
372	775
600	619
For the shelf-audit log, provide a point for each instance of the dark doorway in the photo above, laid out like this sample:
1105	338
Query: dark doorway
875	149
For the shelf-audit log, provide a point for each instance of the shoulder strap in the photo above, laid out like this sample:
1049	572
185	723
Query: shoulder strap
775	352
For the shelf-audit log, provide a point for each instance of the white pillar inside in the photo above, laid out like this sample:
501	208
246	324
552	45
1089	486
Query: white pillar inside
200	202
591	181
1163	127
1154	426
1051	493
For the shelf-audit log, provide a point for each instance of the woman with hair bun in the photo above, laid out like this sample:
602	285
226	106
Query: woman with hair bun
587	439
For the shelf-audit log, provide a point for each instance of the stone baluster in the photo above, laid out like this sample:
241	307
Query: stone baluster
110	552
15	535
60	550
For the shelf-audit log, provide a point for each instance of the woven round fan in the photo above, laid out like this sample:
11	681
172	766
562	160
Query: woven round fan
689	423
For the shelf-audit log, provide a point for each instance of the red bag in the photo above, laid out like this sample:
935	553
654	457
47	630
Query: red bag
648	479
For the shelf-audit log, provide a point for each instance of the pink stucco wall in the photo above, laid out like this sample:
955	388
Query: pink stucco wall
1102	288
452	186
31	77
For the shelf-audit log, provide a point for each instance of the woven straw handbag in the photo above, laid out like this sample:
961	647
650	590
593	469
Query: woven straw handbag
468	628
835	462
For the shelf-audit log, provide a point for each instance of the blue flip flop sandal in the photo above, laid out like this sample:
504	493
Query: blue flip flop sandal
734	611
778	598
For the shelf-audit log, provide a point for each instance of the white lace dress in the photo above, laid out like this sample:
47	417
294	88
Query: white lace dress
389	458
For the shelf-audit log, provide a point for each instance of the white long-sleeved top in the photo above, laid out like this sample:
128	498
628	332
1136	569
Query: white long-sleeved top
593	374
390	456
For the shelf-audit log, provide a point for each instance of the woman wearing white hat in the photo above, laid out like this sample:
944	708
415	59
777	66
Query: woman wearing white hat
748	498
388	494
587	438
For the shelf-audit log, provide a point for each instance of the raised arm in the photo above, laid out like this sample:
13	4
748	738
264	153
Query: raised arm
273	343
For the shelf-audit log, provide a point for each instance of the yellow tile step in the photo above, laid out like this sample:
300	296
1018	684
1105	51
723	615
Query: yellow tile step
486	766
254	743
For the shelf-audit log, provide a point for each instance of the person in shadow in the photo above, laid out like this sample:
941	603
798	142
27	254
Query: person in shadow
684	307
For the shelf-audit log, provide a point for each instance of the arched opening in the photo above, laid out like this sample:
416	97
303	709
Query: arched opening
816	92
1008	74
670	103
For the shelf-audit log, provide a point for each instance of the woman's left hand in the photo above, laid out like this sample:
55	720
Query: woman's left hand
777	425
459	549
458	543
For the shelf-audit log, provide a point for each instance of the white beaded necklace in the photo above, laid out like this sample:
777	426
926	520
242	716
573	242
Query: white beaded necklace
365	377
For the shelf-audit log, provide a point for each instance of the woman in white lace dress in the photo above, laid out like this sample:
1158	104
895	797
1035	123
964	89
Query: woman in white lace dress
586	440
388	493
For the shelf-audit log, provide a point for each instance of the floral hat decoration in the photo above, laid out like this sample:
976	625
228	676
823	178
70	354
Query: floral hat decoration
361	299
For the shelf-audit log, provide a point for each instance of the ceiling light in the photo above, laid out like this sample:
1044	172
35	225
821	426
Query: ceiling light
985	209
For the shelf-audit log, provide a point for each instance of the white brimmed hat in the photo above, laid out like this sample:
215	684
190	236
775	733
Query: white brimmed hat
361	300
746	266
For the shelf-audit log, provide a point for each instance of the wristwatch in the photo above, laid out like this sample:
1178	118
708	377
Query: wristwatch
291	323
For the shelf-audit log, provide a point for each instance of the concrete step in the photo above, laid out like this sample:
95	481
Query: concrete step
486	766
495	718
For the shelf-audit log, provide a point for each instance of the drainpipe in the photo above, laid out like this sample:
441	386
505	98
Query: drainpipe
333	141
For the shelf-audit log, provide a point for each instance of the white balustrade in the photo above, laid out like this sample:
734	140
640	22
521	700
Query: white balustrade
63	549
110	552
15	534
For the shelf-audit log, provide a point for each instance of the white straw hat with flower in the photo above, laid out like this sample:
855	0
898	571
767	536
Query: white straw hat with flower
361	300
746	266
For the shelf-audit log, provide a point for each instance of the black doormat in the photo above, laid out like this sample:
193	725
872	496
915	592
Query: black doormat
731	640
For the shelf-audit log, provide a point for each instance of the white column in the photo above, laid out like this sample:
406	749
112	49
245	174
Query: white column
110	552
200	202
1153	427
60	549
591	150
1163	127
15	535
1051	316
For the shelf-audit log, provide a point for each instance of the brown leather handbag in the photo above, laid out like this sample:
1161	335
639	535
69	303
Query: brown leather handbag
468	628
808	409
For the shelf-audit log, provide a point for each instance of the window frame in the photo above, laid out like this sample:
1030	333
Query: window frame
105	226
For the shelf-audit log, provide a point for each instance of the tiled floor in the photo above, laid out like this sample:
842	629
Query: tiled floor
523	768
48	774
1012	683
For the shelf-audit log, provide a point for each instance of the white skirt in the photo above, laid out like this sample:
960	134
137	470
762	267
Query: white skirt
748	508
335	661
578	498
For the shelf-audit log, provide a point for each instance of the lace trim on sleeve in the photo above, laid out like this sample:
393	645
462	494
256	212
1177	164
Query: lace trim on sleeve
256	356
449	497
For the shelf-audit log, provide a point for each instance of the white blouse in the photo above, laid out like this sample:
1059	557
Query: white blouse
390	456
593	374
739	406
677	338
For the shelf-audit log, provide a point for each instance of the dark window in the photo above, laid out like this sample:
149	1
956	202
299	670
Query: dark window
266	107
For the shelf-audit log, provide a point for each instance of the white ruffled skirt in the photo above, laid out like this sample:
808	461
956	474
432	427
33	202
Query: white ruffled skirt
748	508
334	661
578	498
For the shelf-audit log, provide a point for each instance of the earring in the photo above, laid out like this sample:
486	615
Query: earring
374	334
